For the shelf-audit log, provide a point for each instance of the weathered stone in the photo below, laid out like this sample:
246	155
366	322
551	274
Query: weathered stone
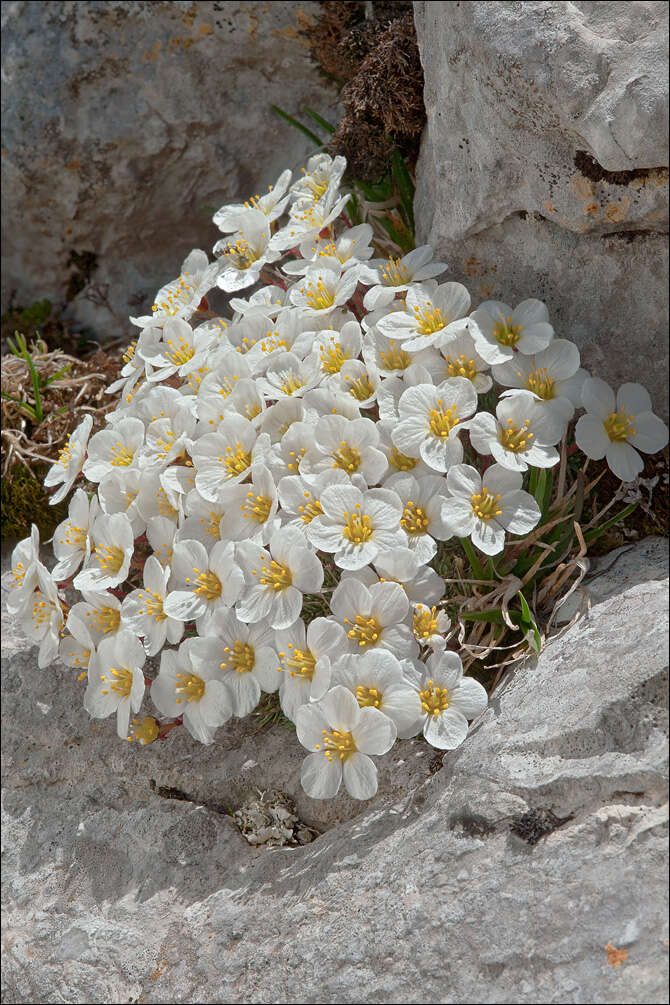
114	894
544	168
125	125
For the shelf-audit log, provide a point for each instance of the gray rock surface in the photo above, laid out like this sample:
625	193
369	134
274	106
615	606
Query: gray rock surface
113	894
544	168
123	122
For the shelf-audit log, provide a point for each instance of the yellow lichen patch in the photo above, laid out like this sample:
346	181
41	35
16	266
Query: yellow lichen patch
615	957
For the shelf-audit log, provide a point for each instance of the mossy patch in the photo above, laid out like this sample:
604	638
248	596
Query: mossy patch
25	501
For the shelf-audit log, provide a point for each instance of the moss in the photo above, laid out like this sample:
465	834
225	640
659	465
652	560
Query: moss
25	501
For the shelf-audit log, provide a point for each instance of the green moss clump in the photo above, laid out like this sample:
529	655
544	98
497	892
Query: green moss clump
25	501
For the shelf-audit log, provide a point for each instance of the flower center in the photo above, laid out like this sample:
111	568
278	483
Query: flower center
207	584
361	389
18	575
337	745
122	683
485	505
191	687
310	510
506	333
318	297
395	359
516	438
145	730
277	577
241	255
425	622
358	527
258	508
619	426
347	458
461	366
178	295
42	610
434	699
129	353
442	420
107	619
394	274
429	319
292	383
242	656
365	631
65	453
400	462
414	520
539	381
153	605
165	507
213	524
182	351
273	341
75	536
236	460
368	697
332	358
301	662
110	559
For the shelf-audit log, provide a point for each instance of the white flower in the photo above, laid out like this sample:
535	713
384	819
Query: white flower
116	680
521	436
77	648
394	275
361	381
308	218
357	526
614	428
71	542
160	535
21	579
142	610
376	681
196	693
70	461
112	547
181	297
225	457
448	701
483	507
334	348
271	204
42	618
429	626
100	613
342	735
374	617
349	445
431	419
462	360
421	518
397	461
243	656
181	350
250	510
300	497
242	256
113	448
433	315
322	173
287	376
322	290
350	248
276	578
420	582
118	492
500	332
553	376
305	661
202	581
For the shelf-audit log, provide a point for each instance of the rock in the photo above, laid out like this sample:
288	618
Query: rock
544	168
125	125
530	868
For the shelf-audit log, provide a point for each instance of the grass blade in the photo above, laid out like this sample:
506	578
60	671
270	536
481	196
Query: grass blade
318	119
297	125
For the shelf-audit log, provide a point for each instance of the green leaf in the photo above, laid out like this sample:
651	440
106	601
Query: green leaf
593	535
23	405
492	615
379	191
528	623
352	210
401	238
475	564
405	186
297	125
318	119
57	376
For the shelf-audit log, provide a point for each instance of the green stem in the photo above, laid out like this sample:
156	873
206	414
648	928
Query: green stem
475	564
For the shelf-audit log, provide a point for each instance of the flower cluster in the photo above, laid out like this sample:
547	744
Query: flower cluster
264	507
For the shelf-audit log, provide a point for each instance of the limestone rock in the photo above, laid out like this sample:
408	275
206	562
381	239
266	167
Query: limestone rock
114	894
125	125
544	168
